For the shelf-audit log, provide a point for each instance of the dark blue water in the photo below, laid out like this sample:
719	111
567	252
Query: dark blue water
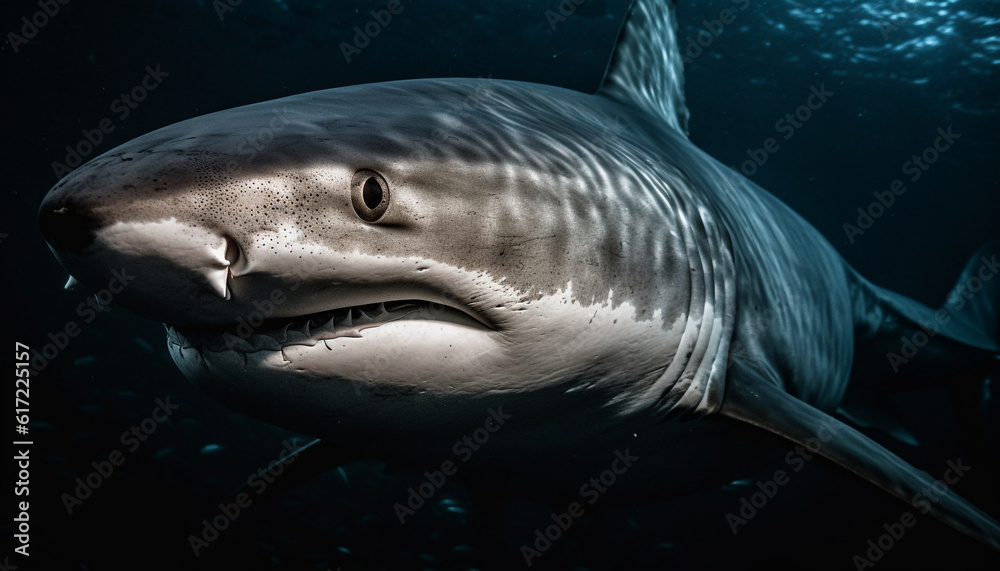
897	71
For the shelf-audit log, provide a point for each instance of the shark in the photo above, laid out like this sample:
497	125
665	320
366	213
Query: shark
388	267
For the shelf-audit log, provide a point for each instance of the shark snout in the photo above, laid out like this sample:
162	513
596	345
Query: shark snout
67	227
182	270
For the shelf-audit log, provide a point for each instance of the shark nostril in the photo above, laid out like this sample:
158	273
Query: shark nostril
233	253
221	278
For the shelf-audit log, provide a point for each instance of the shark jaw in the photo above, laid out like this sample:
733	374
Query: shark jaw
251	336
430	361
370	330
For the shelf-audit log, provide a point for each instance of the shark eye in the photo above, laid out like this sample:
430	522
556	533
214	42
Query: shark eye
369	195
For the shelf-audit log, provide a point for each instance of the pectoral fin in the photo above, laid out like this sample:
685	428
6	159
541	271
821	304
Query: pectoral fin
764	404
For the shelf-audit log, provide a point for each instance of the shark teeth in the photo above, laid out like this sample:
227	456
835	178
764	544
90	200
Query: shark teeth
305	331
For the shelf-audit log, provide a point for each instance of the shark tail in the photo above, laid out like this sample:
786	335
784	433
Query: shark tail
974	303
903	345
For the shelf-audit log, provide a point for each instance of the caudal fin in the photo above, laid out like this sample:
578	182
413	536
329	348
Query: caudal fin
974	302
902	344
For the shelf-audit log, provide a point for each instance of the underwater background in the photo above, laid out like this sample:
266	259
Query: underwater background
898	71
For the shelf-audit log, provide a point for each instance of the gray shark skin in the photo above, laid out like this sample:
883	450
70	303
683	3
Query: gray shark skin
418	253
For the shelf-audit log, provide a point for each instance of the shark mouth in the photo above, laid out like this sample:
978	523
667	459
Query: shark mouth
253	335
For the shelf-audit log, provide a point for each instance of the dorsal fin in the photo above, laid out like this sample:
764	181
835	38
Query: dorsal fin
646	70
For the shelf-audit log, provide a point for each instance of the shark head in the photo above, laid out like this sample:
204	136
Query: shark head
376	249
386	265
407	254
